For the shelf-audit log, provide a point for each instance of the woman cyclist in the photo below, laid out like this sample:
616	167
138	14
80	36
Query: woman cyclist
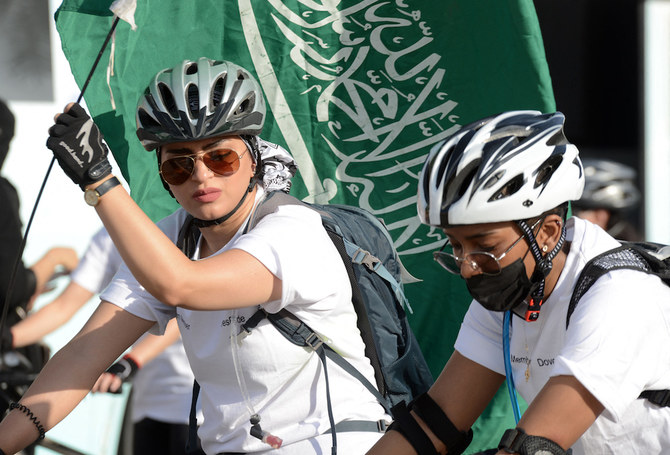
258	392
499	189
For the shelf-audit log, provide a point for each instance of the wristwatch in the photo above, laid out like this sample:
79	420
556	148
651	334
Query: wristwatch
92	196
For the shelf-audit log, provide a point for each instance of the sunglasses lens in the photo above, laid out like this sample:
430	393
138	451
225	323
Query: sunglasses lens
223	162
176	171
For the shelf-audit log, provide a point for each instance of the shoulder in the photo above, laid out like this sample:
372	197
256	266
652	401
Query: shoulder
292	219
587	239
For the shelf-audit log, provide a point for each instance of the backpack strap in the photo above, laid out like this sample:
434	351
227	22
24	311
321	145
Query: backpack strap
361	256
186	242
300	334
658	397
191	442
623	257
643	257
350	253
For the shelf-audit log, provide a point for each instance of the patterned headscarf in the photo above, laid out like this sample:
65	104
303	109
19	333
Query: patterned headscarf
278	165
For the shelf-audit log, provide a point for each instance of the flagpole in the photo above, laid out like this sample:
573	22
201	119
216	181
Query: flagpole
19	256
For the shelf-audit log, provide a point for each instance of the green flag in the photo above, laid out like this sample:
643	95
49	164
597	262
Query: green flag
358	92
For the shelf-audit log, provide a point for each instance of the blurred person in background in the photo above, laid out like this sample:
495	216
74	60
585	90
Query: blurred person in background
29	282
162	380
610	195
19	366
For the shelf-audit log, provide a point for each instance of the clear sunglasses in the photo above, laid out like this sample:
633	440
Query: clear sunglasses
479	261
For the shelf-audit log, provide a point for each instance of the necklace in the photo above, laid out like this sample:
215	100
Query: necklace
527	373
529	354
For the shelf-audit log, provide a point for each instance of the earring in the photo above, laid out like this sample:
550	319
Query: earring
545	248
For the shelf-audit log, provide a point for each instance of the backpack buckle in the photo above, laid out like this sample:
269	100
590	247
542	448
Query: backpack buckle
367	259
314	341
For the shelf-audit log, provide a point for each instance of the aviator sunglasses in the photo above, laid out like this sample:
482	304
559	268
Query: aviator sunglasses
177	170
480	261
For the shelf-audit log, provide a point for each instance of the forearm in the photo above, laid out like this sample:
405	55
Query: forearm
36	326
44	268
55	393
71	373
562	411
462	391
51	316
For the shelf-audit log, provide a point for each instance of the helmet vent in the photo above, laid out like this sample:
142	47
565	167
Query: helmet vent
193	99
191	69
509	189
217	91
547	169
168	99
495	178
146	120
456	186
245	106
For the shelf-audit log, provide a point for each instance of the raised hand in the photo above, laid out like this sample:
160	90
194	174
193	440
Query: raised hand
77	145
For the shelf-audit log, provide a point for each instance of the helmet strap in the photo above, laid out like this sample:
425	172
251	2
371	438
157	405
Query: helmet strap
543	266
207	223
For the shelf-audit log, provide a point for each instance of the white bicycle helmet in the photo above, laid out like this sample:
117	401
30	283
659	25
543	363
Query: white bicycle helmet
609	185
512	166
198	100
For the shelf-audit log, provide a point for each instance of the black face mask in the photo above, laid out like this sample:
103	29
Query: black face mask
501	292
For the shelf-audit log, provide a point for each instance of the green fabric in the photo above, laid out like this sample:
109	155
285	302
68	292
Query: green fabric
358	91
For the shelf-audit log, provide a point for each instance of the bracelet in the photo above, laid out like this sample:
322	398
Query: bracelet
31	416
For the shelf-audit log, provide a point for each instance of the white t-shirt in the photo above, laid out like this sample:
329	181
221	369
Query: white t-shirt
162	388
284	383
617	345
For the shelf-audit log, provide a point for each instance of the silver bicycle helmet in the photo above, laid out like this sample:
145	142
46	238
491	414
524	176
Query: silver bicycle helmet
609	185
508	167
198	100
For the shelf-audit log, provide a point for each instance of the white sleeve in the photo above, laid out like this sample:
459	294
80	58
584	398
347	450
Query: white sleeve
98	264
126	292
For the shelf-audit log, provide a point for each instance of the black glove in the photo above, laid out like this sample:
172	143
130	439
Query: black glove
487	452
77	145
124	369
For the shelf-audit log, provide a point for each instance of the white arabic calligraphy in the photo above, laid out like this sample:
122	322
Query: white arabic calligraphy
376	90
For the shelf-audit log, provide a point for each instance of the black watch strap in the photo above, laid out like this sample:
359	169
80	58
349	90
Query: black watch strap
107	185
92	196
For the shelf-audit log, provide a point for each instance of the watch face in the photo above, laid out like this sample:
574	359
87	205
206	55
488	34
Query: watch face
91	197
